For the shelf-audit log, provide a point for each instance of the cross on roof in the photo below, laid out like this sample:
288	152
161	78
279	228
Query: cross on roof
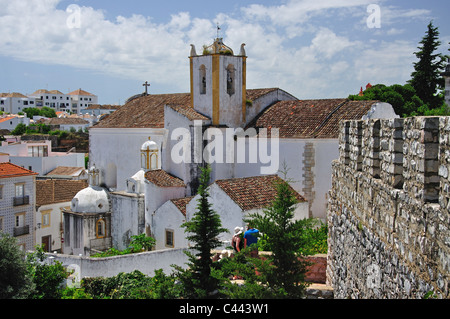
146	84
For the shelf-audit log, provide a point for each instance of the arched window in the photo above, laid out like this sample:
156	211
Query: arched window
153	161
230	79
202	78
100	228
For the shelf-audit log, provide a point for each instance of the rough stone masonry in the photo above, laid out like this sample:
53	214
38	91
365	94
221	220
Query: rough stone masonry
388	209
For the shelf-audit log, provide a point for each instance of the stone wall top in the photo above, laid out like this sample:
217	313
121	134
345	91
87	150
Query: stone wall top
410	154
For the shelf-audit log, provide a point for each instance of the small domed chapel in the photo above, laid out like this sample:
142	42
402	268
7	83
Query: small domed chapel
146	156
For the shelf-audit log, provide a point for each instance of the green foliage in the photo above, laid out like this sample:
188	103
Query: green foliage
46	277
403	99
134	285
200	280
421	95
20	129
314	237
15	281
44	111
139	243
75	293
286	278
426	78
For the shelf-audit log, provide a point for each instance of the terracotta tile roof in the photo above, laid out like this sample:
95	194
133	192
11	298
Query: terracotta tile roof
188	112
4	119
145	111
181	203
53	191
102	107
161	178
16	94
253	192
80	92
66	170
64	121
56	92
9	170
148	110
310	118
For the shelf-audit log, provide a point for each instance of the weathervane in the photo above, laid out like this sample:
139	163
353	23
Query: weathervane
218	29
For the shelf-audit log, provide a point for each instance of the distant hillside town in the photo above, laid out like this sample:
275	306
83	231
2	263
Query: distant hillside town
74	110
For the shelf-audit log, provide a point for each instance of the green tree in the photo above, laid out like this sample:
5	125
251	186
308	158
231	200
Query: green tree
47	112
47	277
286	277
15	281
32	111
20	129
426	77
200	279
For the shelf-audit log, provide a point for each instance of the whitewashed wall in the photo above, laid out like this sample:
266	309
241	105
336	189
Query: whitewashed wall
116	152
146	262
127	218
169	217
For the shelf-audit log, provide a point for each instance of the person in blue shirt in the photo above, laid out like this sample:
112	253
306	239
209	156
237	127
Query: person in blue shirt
251	238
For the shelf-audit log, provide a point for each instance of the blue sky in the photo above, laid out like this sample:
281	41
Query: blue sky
310	48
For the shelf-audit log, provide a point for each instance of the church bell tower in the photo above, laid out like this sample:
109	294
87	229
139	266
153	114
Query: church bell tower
218	83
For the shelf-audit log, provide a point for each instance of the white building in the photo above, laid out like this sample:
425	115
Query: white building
52	196
17	200
81	99
71	102
9	122
207	125
39	157
53	99
13	103
98	110
233	198
87	222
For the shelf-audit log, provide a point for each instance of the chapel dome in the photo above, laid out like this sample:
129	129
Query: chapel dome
218	47
150	146
92	199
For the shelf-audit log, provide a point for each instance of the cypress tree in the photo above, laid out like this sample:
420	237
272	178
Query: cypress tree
286	278
426	78
200	280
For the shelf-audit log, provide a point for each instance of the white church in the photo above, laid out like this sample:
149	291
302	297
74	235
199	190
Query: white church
146	156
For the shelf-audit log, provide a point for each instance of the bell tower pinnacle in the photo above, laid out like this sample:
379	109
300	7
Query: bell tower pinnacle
218	83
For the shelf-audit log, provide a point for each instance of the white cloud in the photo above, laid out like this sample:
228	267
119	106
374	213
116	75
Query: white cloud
320	63
326	42
386	63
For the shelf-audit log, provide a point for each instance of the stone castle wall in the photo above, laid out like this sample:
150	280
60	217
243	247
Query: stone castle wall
388	210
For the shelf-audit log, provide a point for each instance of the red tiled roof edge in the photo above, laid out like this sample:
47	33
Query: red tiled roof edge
161	178
254	192
14	170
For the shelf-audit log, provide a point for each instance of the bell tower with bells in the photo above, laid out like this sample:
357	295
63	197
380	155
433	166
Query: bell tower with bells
218	83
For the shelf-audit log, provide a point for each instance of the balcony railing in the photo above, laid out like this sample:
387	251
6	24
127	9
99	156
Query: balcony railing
23	200
23	230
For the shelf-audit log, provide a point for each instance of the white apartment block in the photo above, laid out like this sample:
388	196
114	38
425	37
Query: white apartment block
14	103
81	100
53	99
74	102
